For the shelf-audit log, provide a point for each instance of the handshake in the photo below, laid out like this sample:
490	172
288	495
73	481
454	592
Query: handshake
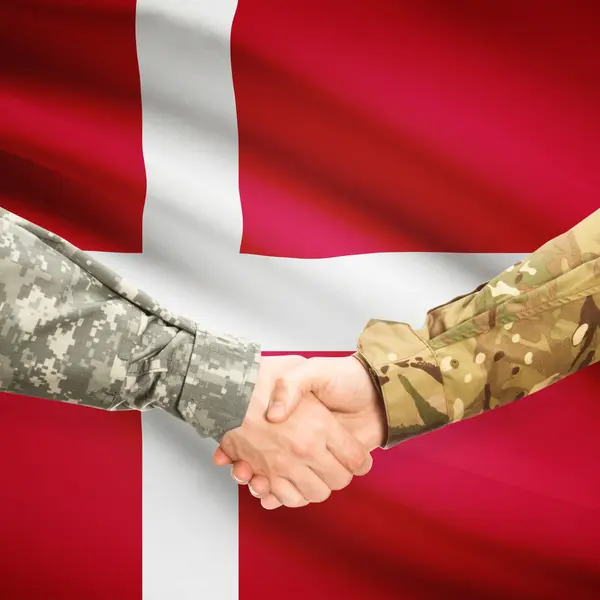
310	427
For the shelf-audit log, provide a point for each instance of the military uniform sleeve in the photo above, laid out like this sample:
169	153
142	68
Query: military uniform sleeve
530	326
74	331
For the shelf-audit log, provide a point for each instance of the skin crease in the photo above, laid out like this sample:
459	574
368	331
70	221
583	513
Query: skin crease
302	457
343	386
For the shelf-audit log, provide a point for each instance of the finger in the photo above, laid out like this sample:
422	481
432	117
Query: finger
242	472
270	502
228	448
348	450
332	472
259	486
309	484
220	458
287	493
290	388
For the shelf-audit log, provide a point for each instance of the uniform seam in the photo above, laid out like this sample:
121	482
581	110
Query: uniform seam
472	295
188	379
521	314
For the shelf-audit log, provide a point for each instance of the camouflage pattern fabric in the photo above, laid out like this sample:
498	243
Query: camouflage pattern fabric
530	326
74	331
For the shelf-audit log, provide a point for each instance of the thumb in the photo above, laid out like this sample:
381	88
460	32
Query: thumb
289	389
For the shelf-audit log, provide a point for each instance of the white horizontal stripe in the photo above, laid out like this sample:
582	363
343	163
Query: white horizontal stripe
292	304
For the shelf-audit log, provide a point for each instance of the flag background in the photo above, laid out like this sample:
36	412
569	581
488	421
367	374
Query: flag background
286	172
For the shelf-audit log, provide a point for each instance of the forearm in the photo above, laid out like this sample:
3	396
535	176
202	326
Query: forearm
532	325
74	331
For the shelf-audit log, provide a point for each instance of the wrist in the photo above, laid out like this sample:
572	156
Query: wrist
375	426
374	419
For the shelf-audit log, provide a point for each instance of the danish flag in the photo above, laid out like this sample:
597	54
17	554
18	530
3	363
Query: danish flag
284	171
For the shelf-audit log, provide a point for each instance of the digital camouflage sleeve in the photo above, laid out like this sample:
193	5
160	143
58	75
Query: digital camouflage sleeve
530	326
72	330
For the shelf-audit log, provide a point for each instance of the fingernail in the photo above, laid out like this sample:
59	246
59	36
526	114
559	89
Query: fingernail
253	492
276	410
238	480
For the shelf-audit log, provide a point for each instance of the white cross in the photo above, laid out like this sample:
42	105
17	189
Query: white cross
191	262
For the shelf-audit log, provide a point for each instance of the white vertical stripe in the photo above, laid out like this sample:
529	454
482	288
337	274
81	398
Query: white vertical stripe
190	511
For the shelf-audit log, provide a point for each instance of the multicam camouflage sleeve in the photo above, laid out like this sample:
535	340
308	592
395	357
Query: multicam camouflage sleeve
530	326
72	330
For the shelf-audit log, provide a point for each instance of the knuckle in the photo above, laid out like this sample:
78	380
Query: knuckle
294	359
343	482
279	462
303	448
368	463
227	445
288	500
298	503
321	496
357	461
281	385
320	430
270	502
288	496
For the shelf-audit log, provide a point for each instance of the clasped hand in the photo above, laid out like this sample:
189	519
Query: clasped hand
310	427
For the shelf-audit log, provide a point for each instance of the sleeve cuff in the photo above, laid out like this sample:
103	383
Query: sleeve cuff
408	377
219	383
